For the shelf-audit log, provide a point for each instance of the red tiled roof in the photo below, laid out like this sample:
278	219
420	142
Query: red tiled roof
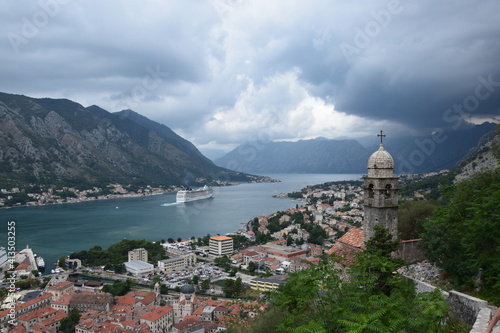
40	313
18	329
157	313
220	238
61	285
148	299
354	237
64	300
198	311
125	300
186	323
58	317
27	304
21	267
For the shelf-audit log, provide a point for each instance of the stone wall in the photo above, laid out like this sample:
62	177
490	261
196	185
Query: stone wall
410	252
471	310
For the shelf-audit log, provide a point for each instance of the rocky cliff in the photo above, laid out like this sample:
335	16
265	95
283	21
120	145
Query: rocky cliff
50	141
484	157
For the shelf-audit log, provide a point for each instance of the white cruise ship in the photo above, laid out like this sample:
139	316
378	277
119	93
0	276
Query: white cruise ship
188	195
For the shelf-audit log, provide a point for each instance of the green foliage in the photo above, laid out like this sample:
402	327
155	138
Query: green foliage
240	241
119	288
68	324
252	266
411	215
205	284
319	300
463	238
223	262
27	283
382	242
433	185
233	288
117	254
163	289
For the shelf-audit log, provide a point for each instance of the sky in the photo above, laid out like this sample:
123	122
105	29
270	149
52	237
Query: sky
222	72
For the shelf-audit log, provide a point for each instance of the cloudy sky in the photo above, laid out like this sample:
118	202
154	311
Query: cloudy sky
219	72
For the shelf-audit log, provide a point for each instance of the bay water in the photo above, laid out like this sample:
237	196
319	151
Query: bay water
54	231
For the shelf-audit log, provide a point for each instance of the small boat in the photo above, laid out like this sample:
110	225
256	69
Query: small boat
40	263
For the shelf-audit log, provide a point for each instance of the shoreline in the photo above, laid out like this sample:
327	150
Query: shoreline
156	191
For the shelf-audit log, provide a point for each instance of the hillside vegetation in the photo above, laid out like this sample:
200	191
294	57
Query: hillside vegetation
59	142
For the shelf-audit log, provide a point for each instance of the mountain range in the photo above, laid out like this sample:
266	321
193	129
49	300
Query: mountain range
58	141
411	154
50	141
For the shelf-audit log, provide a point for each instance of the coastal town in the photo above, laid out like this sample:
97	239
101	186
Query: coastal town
38	196
268	248
211	283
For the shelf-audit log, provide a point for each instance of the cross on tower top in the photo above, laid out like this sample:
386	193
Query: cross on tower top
382	135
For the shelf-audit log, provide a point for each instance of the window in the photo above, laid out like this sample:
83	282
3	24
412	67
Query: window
388	191
370	191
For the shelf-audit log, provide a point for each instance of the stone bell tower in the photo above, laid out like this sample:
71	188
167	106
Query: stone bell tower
381	193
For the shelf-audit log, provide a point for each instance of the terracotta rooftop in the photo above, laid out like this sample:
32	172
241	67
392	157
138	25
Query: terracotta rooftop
199	310
186	323
125	300
61	285
58	317
40	313
64	300
27	304
220	238
354	237
157	313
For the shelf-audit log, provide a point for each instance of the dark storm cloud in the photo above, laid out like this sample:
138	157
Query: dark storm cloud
223	71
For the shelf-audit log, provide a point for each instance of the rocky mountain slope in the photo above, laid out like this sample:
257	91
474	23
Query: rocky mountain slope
50	141
304	156
411	155
484	157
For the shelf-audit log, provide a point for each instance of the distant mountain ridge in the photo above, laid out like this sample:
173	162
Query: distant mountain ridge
411	155
45	141
304	156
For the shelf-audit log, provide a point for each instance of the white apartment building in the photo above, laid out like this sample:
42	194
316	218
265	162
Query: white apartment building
178	263
138	255
220	246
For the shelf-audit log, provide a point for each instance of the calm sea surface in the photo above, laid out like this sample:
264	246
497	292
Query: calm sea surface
57	230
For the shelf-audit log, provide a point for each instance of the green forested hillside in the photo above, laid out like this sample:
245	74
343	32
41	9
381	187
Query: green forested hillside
463	237
366	298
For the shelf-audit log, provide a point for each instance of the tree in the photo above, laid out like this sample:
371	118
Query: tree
463	237
68	324
233	288
318	300
411	215
223	262
205	284
119	288
252	266
382	242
